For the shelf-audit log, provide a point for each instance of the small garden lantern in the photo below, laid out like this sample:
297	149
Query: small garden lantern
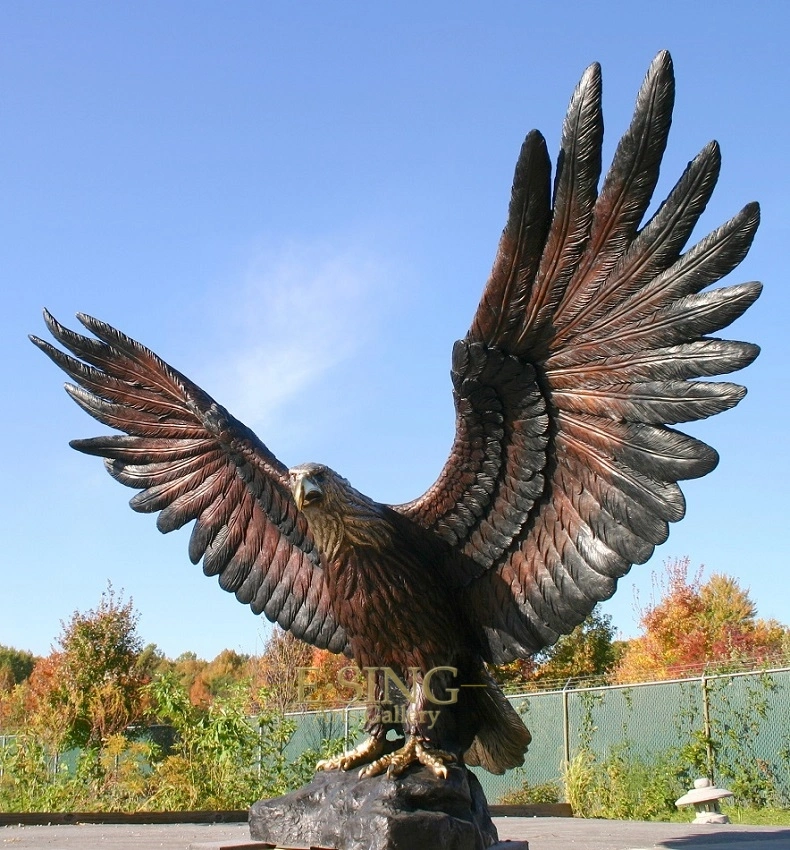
705	799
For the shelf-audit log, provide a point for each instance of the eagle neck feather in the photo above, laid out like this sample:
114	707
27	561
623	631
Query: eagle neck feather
351	520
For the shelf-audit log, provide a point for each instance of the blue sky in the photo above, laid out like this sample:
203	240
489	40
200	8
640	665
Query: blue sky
297	205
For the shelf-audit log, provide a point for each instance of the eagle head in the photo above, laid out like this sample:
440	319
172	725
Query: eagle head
317	488
335	511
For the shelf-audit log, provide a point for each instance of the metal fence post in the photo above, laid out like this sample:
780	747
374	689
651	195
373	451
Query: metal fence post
345	728
566	731
706	727
260	748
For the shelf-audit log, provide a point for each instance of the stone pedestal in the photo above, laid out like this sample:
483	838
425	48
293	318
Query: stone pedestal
340	811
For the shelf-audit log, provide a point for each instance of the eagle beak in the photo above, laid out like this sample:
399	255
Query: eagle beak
305	492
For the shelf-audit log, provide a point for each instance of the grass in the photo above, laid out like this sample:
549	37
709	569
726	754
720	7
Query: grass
757	817
742	815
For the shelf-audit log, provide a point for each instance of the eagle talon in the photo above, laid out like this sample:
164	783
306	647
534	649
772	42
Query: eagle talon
412	752
365	752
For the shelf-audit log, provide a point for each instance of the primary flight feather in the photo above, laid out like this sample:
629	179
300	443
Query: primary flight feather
590	334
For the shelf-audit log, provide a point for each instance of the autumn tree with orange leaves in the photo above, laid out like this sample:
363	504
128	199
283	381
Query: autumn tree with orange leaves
89	687
97	686
695	624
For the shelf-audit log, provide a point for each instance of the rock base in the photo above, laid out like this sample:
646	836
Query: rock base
340	811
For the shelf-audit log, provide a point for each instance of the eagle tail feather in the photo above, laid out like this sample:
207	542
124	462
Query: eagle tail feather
502	738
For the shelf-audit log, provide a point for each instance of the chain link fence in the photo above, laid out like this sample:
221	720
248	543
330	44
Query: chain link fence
735	727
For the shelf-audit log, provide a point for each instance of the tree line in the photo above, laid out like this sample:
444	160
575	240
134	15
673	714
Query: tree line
95	682
689	625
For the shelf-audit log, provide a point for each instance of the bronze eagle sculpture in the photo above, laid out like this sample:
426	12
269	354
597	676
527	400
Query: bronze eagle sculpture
586	347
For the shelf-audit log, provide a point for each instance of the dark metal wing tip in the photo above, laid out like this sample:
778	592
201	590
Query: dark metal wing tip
46	346
90	322
53	325
592	74
712	149
85	446
661	73
663	59
74	391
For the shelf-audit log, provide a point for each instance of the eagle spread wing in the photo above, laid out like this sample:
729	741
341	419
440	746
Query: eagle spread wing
582	352
563	472
194	461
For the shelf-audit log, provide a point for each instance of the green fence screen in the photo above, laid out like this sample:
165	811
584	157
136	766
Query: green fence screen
738	725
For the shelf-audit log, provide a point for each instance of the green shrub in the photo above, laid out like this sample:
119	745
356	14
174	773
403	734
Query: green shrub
533	794
220	760
625	786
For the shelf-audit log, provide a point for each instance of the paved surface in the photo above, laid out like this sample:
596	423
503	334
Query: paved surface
562	833
542	834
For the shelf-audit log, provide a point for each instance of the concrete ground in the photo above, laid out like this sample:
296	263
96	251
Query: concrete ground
542	834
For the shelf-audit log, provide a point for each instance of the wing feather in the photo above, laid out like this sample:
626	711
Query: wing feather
659	243
575	192
520	247
702	358
625	195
